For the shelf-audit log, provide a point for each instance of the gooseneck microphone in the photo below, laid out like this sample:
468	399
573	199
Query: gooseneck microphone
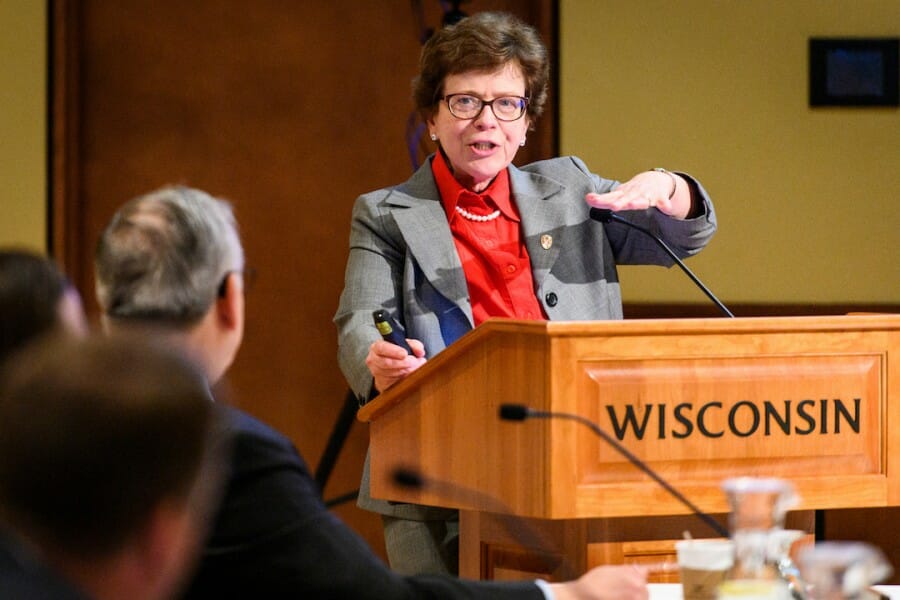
519	412
517	528
408	478
604	215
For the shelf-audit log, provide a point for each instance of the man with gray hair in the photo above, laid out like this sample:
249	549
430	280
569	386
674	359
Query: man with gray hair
166	260
172	261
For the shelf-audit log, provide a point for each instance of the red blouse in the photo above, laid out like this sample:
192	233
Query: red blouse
493	254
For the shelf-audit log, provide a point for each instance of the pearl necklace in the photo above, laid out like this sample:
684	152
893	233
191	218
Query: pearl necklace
479	218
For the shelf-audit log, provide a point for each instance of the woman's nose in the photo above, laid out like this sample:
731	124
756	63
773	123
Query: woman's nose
486	117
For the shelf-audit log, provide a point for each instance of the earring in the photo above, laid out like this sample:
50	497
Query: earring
522	143
433	137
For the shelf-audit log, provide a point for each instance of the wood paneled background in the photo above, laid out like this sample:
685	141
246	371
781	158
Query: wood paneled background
288	109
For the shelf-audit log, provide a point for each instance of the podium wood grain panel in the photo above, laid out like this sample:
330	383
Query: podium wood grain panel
699	400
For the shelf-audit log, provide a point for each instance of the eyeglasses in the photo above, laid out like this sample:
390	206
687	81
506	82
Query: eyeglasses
505	108
248	274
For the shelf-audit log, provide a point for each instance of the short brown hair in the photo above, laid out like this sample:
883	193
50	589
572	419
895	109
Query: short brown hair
96	433
485	41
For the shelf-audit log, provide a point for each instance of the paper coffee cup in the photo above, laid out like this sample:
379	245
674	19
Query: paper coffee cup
704	565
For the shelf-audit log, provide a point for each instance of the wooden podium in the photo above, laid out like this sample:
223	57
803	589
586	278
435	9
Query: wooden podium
808	399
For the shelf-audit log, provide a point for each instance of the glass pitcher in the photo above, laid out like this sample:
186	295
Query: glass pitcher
758	507
838	570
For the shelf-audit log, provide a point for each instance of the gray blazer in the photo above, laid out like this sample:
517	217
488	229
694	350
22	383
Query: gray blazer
402	258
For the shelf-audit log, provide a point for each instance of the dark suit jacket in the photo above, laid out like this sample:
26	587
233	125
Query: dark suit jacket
23	577
274	538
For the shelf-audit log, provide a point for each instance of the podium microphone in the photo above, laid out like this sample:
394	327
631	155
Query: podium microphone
410	478
517	528
604	215
520	412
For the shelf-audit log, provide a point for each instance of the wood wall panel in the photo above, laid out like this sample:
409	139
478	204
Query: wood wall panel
290	110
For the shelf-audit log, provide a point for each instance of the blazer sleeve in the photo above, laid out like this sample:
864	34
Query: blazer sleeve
372	279
273	537
685	237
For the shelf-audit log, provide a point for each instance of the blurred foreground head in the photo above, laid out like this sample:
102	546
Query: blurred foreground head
112	458
35	298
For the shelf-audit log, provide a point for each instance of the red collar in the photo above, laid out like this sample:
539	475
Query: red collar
451	190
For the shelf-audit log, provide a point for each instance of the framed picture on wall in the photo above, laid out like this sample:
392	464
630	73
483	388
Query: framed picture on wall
853	71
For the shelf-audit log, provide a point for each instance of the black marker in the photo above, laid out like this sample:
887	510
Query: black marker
389	330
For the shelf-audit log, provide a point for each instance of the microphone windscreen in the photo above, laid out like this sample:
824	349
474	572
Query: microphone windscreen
408	478
604	215
513	412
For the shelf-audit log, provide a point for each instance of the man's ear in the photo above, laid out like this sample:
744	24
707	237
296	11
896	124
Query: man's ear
228	305
166	546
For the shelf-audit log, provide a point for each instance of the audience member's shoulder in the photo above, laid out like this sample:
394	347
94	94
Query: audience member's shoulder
244	424
251	436
22	576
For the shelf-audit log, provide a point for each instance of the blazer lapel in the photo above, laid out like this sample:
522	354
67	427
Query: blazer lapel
427	234
539	200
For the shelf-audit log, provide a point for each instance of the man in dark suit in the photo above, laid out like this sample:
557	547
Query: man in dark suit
172	261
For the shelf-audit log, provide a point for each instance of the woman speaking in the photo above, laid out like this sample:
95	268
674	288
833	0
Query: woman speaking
470	236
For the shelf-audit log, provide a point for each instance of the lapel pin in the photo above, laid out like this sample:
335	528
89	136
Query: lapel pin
546	241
